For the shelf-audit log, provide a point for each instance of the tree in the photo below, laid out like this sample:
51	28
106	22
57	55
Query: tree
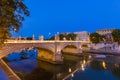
29	38
95	38
12	13
102	38
4	34
116	35
61	36
71	36
52	38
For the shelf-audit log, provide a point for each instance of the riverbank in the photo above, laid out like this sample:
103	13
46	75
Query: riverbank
111	52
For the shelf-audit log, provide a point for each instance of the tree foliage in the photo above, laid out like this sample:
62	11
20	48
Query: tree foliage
95	38
29	38
4	34
12	13
51	38
102	38
116	35
70	37
61	36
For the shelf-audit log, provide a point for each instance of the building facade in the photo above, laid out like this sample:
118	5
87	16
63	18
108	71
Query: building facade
107	33
83	36
65	33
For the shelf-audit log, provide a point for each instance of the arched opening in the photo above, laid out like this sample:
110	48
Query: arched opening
30	52
44	53
70	49
23	53
70	53
84	47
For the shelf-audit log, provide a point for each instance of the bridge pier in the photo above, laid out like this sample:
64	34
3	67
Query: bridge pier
57	57
80	51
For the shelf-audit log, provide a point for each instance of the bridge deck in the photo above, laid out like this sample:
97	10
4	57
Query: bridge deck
38	41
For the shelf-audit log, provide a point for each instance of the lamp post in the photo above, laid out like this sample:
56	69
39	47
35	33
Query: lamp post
14	30
49	34
33	37
57	36
19	37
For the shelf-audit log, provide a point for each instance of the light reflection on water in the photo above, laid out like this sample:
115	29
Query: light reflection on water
73	68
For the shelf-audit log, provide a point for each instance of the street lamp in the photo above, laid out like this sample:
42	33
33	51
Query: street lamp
49	34
33	37
57	36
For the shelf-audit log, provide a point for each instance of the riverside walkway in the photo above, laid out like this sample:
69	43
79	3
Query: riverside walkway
9	72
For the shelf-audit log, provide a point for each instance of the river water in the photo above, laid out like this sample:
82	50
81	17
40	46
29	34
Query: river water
3	76
73	68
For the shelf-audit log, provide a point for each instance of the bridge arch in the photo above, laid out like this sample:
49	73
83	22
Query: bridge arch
54	46
44	53
70	48
10	48
67	44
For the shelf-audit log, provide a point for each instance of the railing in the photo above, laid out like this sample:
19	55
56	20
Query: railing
42	41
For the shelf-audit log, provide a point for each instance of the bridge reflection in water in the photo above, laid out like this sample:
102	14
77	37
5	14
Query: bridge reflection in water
73	68
46	71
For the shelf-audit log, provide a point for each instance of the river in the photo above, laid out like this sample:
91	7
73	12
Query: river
73	68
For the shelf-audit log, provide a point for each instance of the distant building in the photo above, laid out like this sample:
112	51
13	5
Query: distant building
66	33
107	33
84	35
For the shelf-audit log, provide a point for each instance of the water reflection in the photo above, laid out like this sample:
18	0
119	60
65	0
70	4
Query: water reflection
104	65
73	68
25	66
3	76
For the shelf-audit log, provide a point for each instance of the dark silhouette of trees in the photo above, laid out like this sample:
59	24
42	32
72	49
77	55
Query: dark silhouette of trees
4	34
95	38
116	35
12	13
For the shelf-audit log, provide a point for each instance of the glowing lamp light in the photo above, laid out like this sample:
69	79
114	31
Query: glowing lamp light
104	65
82	67
72	75
70	70
84	61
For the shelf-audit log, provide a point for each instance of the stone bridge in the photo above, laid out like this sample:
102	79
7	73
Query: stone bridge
55	47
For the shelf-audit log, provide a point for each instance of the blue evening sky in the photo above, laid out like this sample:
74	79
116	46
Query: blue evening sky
52	16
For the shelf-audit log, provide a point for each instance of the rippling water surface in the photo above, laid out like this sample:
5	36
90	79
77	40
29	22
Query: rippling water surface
73	68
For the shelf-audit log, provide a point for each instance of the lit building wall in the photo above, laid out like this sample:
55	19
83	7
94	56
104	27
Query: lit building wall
84	35
105	31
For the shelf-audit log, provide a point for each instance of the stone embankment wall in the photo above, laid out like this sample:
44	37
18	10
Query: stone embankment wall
111	46
119	48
